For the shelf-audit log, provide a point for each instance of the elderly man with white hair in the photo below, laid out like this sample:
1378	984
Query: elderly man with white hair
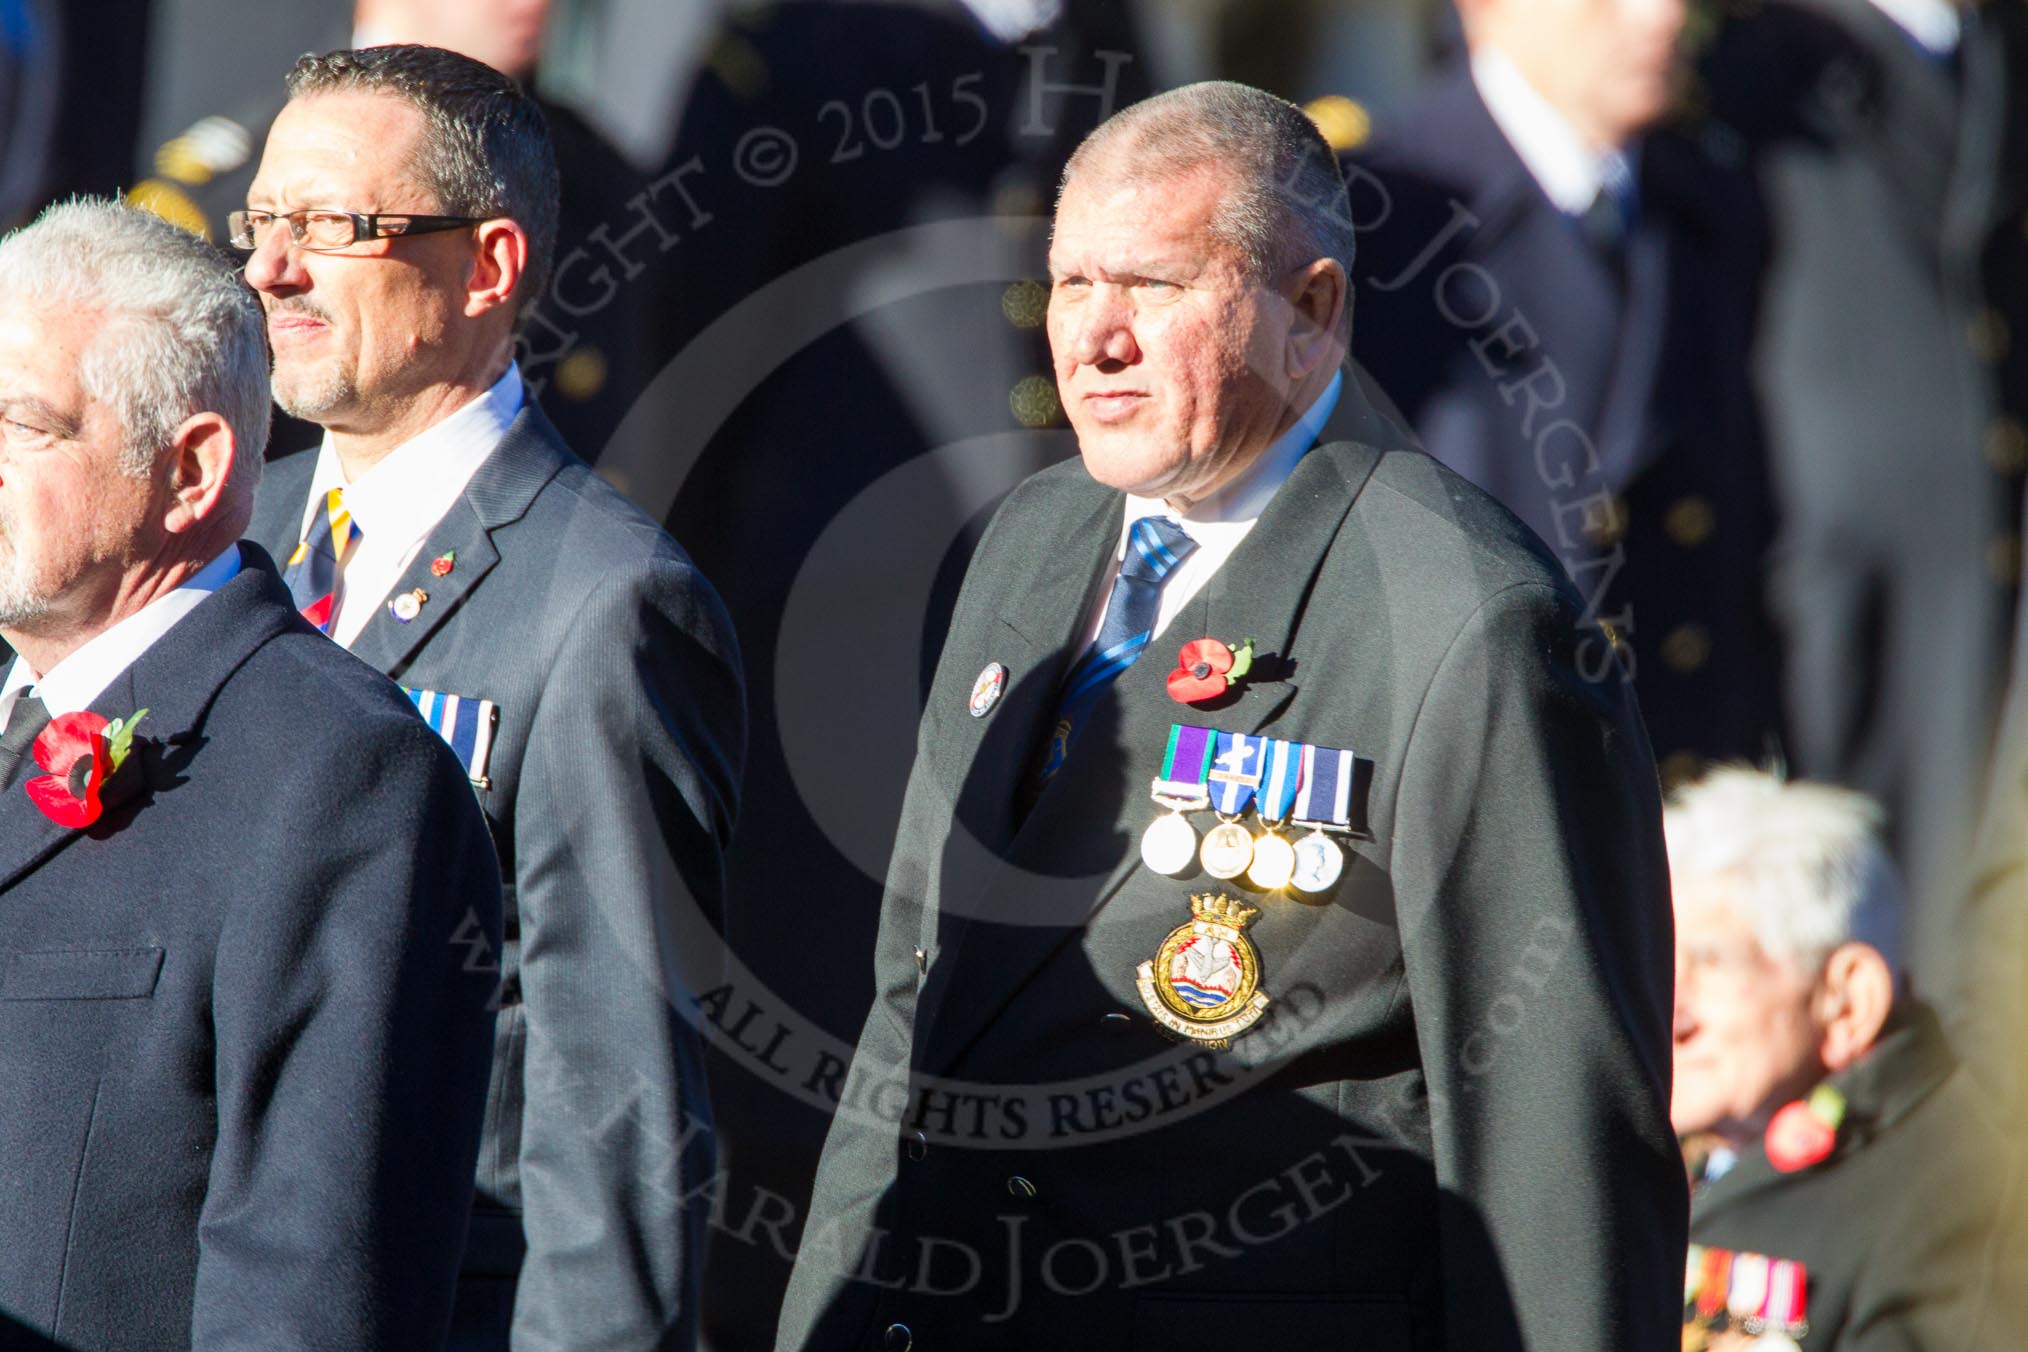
1846	1178
242	1055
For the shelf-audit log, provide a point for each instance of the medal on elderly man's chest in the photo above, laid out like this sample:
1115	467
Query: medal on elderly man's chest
1204	981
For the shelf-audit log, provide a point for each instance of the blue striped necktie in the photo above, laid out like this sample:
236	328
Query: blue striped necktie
1155	546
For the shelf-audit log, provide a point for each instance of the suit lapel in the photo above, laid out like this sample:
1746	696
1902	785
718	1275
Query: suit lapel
1061	868
1037	631
175	681
528	456
386	643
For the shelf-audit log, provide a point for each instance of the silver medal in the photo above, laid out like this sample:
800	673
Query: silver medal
1169	844
1318	862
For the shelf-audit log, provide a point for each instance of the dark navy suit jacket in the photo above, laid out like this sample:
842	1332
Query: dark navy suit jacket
242	1062
1602	395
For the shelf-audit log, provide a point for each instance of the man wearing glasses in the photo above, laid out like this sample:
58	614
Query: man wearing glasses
403	214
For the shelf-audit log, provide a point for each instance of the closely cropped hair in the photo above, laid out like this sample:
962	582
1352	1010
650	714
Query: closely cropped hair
1802	862
182	335
485	149
1287	204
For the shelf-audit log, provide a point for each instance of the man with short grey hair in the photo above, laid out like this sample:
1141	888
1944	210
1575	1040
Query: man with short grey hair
1382	1059
565	647
242	1062
1818	1090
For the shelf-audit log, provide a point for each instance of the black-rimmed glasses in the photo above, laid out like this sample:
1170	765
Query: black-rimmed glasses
323	231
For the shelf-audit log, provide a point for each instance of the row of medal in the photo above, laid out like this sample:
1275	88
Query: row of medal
1284	783
1765	1298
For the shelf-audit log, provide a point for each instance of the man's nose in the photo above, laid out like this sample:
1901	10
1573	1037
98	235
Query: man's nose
275	265
1105	329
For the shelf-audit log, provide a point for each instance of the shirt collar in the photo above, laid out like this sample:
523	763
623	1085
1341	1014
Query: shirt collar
1246	497
73	683
1934	24
1570	172
406	493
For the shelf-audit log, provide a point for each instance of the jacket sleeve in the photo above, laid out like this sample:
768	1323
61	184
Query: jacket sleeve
353	1040
1537	936
627	797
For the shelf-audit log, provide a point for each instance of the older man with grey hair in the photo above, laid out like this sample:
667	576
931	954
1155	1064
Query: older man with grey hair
242	1061
1816	1089
1382	1061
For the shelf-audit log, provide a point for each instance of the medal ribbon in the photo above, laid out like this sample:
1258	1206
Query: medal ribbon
1747	1292
1239	763
1325	798
1278	785
1186	762
1786	1294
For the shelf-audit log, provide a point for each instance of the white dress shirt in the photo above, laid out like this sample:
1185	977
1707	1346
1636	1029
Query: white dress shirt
1570	172
1932	23
399	501
72	684
1221	521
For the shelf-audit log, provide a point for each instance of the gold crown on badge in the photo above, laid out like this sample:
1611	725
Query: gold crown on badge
1219	909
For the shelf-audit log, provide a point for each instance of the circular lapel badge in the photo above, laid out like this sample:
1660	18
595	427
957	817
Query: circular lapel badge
986	690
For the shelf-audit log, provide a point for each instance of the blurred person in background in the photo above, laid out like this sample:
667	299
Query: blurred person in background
1888	142
210	104
1553	290
1846	1188
30	90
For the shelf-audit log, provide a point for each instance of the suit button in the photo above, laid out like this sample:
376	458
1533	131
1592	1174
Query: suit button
1689	521
1987	335
917	1145
897	1338
1687	647
1679	767
1117	1022
1608	527
2003	559
1034	402
2007	445
1026	304
922	962
1020	1186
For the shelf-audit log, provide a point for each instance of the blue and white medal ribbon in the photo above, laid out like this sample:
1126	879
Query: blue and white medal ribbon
1274	859
1323	803
1236	769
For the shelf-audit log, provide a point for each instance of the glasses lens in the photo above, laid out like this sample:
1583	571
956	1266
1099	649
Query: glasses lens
240	228
323	229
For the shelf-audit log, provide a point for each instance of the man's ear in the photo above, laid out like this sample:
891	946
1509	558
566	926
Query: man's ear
1855	995
499	267
199	469
1319	294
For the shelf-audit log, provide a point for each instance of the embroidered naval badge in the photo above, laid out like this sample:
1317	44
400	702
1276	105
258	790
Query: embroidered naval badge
1204	981
986	690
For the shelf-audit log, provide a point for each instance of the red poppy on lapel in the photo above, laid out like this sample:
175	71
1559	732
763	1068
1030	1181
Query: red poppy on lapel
1207	668
79	750
1805	1131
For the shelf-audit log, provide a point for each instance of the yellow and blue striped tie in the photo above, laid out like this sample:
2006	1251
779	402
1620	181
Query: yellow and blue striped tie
316	570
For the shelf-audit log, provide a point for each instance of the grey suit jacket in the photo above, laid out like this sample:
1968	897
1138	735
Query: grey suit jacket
1451	1129
611	789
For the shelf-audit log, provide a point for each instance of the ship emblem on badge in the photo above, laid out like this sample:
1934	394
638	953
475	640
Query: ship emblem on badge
1204	981
986	690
